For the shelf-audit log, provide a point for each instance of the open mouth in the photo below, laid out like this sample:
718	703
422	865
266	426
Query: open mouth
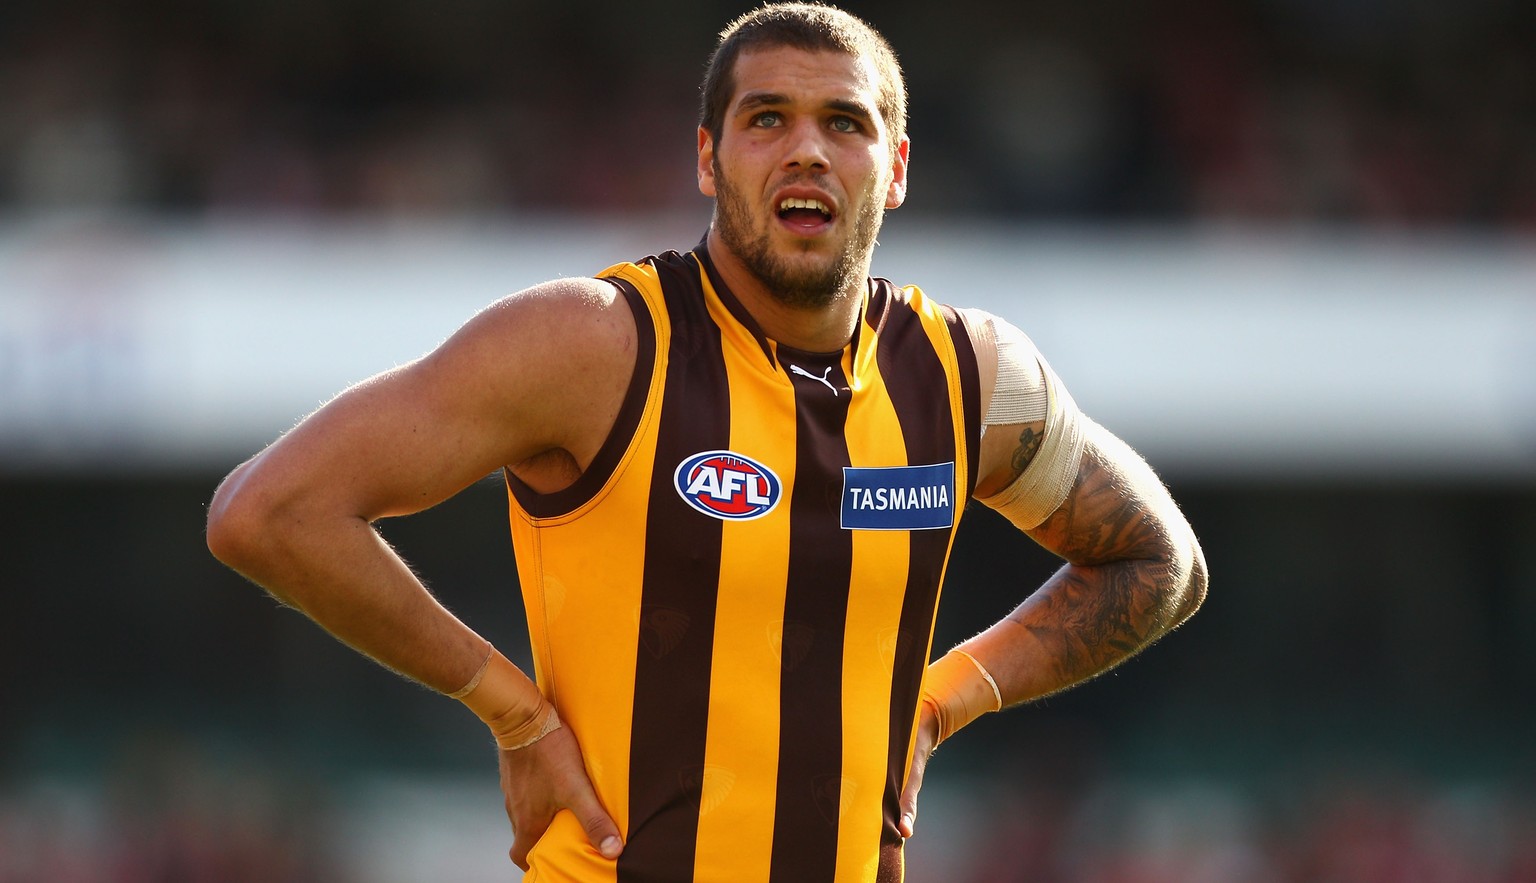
806	215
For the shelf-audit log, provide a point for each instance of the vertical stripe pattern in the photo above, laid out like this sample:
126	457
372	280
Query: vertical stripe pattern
810	783
744	691
918	388
677	608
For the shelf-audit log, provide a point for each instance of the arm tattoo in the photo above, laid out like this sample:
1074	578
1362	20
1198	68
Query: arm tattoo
1119	593
1024	454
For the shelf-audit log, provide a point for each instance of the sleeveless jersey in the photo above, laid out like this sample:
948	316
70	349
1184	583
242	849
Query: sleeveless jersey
733	607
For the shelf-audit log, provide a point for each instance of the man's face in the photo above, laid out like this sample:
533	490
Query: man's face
803	171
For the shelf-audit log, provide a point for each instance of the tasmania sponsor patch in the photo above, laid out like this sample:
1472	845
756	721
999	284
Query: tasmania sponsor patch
899	497
727	485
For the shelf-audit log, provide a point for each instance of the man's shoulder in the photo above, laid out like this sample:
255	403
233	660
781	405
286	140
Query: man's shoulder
583	316
563	297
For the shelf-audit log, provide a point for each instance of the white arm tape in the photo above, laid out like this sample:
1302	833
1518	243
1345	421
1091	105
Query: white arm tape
1028	391
1019	395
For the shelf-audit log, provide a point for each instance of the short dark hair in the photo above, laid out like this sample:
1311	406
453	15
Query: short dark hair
812	27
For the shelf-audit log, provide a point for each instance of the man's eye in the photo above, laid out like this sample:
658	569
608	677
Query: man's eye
844	124
766	120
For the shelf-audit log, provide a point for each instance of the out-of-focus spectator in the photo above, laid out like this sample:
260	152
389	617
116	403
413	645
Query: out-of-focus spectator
181	821
1321	829
1276	111
170	813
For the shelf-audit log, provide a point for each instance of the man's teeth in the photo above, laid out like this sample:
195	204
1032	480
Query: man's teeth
794	202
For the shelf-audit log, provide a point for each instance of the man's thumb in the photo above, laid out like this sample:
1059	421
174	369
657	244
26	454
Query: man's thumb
908	804
602	833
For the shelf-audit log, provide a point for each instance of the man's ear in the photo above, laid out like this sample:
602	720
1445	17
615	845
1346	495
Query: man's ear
706	162
896	194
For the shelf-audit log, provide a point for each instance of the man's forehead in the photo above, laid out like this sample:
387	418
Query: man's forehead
788	74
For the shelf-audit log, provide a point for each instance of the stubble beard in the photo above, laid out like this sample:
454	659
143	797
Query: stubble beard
795	283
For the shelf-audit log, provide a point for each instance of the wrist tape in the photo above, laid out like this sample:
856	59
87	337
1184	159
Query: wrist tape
959	690
509	703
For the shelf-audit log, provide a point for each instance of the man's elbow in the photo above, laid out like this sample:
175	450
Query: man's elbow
1192	587
235	522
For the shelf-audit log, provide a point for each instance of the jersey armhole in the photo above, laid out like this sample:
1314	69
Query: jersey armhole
968	368
601	469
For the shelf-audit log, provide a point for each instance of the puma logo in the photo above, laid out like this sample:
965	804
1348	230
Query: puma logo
796	369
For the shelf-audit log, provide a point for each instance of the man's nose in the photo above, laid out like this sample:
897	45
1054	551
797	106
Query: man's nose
807	147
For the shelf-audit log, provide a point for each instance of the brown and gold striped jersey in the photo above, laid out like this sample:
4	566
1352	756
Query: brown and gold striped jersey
733	607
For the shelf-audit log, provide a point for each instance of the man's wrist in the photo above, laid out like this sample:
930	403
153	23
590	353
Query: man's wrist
959	689
509	703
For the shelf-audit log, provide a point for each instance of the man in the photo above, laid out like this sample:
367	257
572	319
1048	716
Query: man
736	475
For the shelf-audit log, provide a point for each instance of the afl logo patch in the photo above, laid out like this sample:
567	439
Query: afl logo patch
726	485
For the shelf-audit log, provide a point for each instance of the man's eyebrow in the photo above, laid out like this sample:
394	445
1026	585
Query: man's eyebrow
755	100
852	108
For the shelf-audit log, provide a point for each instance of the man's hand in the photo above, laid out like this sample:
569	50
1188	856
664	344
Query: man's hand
927	740
540	780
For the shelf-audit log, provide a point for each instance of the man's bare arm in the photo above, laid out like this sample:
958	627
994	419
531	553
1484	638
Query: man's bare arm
1134	572
541	371
535	383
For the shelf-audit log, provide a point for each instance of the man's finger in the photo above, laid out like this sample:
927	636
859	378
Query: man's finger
527	826
525	833
927	740
519	851
573	791
905	825
602	833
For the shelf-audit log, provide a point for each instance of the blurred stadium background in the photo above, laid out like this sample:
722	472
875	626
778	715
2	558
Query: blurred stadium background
1285	247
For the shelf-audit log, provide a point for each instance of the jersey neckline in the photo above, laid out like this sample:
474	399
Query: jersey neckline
772	348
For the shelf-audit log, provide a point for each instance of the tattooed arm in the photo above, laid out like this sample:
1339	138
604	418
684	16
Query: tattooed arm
1134	571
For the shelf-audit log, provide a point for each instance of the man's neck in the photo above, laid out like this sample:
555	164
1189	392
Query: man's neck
813	329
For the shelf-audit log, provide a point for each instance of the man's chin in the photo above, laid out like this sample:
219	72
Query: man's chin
806	283
799	271
797	242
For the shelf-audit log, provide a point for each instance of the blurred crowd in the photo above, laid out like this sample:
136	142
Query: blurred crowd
1396	114
1340	831
261	829
170	810
1390	114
